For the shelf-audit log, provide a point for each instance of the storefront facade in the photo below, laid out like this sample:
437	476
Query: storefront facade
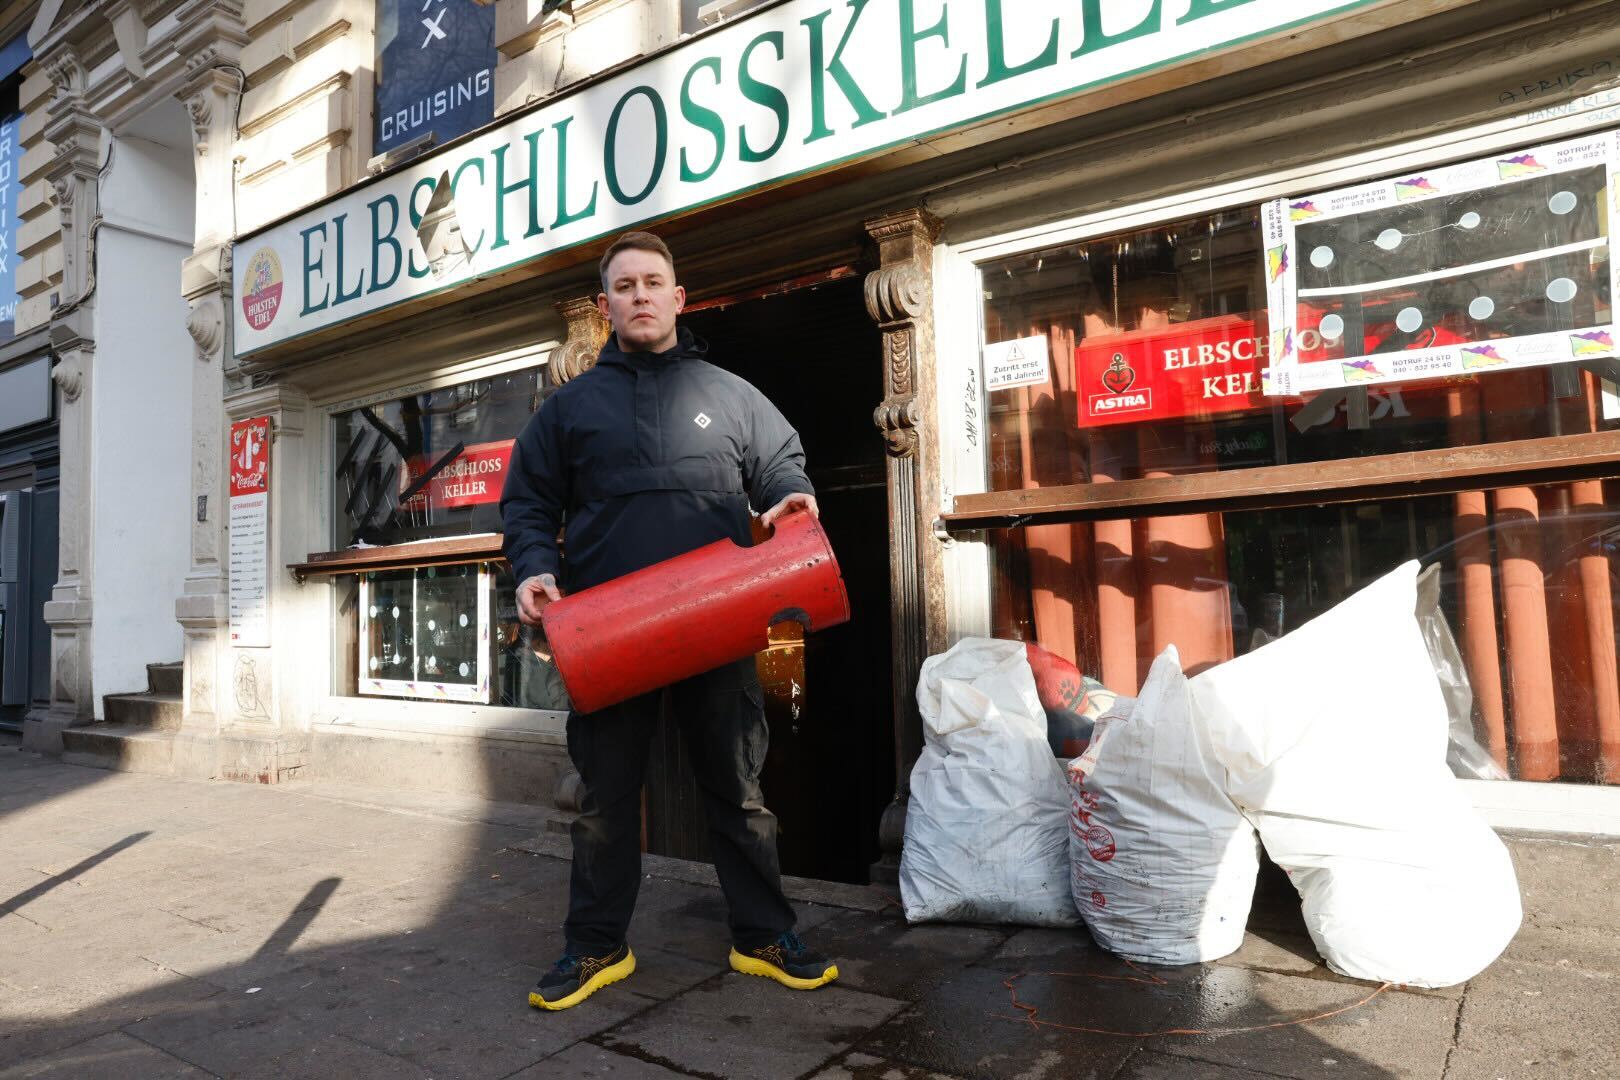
1017	273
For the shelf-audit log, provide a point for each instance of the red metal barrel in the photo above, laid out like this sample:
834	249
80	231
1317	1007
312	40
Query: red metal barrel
693	613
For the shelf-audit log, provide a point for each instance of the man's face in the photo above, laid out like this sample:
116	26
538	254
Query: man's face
642	301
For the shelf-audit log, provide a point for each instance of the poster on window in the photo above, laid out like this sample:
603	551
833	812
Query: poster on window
1208	367
1487	265
250	532
473	477
435	70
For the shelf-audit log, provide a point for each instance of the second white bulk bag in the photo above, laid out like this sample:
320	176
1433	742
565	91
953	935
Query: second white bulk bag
1164	864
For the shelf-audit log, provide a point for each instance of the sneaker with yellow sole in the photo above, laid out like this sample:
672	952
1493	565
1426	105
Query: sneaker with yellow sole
787	960
575	978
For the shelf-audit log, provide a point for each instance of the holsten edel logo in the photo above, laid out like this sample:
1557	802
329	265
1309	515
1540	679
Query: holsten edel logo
261	288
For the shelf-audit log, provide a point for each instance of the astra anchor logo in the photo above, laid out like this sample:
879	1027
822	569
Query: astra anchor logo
1119	376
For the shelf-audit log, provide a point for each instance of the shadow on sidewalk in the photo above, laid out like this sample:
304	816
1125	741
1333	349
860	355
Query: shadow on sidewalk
248	931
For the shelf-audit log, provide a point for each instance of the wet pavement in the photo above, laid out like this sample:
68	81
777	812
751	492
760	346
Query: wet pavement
152	927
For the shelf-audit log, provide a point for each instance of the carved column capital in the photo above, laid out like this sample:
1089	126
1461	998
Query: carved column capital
896	294
899	299
904	236
587	332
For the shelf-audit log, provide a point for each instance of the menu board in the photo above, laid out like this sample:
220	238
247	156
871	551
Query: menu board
250	532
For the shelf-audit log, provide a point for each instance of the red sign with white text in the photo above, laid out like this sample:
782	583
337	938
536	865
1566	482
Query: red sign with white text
250	456
475	477
1204	368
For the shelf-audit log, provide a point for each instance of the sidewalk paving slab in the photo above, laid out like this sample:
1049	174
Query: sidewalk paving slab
744	1025
305	930
113	1056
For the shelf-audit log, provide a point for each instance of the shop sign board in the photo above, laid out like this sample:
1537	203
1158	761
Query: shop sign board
1489	265
791	89
435	70
1206	368
250	532
472	478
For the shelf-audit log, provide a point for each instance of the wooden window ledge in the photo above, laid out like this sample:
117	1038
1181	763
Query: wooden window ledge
481	547
1526	462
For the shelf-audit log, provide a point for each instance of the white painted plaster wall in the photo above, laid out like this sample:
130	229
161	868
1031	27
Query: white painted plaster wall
141	407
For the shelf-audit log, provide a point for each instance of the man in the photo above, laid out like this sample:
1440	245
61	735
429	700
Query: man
652	453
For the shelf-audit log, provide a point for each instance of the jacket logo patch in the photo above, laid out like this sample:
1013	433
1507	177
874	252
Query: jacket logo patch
702	420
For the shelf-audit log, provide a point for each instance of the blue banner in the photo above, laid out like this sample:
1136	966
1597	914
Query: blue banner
10	189
435	70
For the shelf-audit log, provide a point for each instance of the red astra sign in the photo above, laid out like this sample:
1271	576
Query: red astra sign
1203	368
473	478
250	456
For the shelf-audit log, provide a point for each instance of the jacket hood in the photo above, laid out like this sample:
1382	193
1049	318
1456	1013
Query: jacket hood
688	346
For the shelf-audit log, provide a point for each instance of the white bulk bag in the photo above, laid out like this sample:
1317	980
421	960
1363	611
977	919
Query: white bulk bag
987	823
1164	864
1334	738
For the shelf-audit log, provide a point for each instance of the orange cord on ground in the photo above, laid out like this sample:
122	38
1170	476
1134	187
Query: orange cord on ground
1148	979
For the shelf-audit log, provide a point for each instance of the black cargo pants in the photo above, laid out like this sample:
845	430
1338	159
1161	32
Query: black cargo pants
722	719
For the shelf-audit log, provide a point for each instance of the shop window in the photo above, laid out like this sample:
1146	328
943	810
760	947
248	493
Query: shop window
429	465
1528	576
424	632
1461	306
1147	353
410	472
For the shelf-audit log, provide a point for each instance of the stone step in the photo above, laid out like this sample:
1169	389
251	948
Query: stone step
165	679
155	712
121	747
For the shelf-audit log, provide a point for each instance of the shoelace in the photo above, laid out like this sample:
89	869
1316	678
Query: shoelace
568	963
790	943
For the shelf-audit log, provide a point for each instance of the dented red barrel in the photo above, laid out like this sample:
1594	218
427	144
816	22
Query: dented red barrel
693	613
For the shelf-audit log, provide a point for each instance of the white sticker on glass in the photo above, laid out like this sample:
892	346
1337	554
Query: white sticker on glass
1409	319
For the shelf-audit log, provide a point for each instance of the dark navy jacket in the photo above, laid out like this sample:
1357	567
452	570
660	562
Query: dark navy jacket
642	458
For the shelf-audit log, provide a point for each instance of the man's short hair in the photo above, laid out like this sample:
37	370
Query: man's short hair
634	241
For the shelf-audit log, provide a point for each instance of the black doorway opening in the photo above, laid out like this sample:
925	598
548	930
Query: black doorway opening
816	354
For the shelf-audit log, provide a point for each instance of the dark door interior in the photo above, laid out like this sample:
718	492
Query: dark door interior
830	771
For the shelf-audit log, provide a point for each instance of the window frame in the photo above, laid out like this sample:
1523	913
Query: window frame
969	507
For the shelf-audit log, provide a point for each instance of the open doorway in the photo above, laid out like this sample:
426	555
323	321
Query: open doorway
817	355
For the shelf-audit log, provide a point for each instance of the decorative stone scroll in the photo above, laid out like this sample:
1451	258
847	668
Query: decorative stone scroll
587	332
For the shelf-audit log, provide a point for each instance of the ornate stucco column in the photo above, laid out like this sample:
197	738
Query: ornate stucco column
76	134
211	37
899	297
